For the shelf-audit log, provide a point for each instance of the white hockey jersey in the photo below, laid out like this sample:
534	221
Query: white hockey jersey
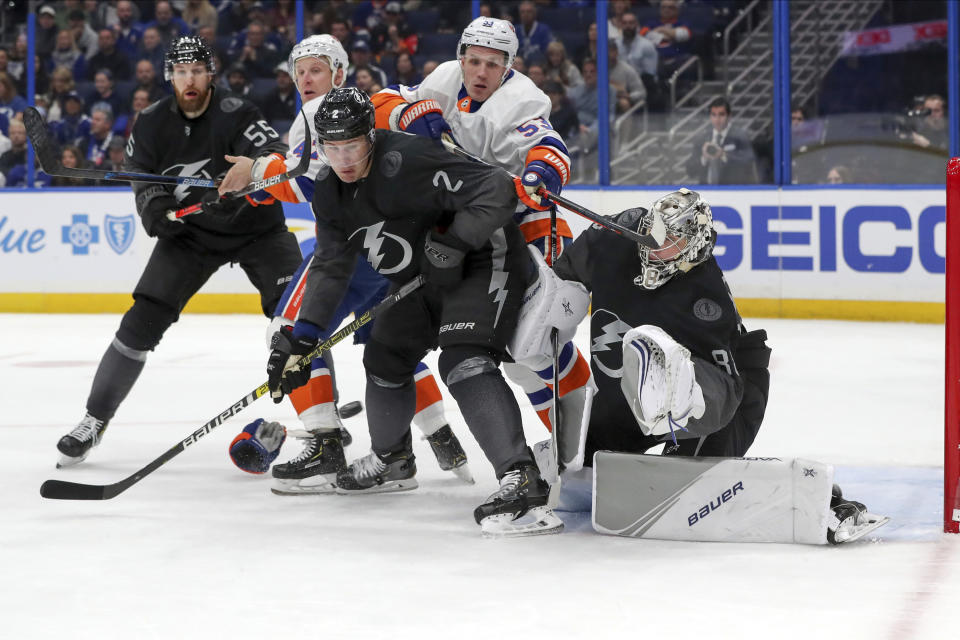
299	189
503	129
509	129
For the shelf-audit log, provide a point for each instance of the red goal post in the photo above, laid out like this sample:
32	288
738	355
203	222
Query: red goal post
951	443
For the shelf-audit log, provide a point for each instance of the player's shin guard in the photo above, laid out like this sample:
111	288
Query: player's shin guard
314	402
118	371
493	416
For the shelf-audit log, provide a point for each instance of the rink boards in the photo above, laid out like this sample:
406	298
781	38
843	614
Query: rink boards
849	253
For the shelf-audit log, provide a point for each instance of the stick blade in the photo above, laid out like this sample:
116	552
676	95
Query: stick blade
63	490
47	154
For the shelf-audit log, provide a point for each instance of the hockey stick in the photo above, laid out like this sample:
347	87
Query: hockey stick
556	464
62	490
652	238
296	172
48	154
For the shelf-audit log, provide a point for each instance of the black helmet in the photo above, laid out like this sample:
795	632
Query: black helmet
187	49
344	114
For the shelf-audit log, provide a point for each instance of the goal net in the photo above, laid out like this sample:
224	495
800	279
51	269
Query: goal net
951	445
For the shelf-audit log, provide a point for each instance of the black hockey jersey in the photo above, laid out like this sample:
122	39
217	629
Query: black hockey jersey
694	308
164	141
413	186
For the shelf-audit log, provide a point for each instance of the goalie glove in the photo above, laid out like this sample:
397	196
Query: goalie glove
257	446
287	346
659	381
425	118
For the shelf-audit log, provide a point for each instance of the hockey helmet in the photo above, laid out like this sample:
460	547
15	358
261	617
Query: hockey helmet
492	33
187	49
326	48
689	241
345	113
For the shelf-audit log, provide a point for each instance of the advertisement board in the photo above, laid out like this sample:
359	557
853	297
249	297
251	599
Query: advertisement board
793	252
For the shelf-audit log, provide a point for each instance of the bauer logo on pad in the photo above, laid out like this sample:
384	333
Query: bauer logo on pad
119	231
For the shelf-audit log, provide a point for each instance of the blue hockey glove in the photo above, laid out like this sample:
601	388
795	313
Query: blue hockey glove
257	445
425	118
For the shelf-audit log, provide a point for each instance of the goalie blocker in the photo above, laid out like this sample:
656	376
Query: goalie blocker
724	500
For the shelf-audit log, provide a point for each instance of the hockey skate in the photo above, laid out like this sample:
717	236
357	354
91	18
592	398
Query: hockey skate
373	474
314	471
850	519
75	446
450	455
519	507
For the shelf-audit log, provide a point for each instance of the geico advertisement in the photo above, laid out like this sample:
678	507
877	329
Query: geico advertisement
828	244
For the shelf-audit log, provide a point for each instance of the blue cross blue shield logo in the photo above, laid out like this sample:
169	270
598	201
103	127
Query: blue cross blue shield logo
80	234
119	231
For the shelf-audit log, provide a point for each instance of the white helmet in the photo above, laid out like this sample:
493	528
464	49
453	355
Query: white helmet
689	224
493	33
326	48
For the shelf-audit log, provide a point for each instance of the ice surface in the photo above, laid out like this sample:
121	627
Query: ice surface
201	550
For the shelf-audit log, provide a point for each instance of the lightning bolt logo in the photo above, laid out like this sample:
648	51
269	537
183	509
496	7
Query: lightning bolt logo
373	237
612	331
192	170
498	281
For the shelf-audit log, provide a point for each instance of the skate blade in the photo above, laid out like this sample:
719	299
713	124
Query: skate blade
67	461
294	488
539	521
874	523
463	472
392	486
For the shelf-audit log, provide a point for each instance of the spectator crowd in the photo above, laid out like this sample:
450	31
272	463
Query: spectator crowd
98	64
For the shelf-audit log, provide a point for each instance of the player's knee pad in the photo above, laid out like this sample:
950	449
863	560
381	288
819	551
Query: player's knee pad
458	363
144	324
389	364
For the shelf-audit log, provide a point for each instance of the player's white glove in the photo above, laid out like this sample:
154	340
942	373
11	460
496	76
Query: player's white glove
659	381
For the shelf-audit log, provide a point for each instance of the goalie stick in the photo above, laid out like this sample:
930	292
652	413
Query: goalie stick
296	172
652	238
63	490
48	155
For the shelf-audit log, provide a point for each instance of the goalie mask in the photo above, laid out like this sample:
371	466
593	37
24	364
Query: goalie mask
323	47
187	49
492	33
689	241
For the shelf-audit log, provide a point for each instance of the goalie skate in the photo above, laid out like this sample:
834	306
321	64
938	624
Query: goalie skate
76	445
850	519
519	508
450	454
314	470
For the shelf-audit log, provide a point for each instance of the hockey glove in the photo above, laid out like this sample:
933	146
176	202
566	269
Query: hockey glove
287	346
257	446
154	203
537	175
443	259
214	205
425	118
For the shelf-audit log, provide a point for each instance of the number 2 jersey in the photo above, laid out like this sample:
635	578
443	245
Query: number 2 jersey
412	187
509	129
164	141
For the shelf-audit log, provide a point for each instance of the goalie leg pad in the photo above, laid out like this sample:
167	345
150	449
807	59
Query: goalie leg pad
257	446
712	499
659	381
549	303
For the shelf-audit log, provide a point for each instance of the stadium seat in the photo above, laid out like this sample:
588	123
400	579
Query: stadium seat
439	45
423	21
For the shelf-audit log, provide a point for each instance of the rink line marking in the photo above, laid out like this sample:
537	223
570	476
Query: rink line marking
912	612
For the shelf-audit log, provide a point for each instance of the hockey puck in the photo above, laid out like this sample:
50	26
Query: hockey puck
350	409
